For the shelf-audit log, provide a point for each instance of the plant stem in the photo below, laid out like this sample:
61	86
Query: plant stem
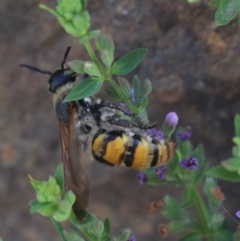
91	53
203	214
94	58
59	229
80	226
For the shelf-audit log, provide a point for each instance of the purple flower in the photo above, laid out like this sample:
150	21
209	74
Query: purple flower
161	171
155	133
190	164
171	119
142	178
185	135
125	109
132	238
238	214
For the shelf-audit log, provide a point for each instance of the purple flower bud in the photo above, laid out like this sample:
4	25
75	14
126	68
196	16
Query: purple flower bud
161	171
238	214
185	135
171	119
190	164
132	238
155	133
142	178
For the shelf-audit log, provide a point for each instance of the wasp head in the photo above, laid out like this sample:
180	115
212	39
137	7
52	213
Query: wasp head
58	78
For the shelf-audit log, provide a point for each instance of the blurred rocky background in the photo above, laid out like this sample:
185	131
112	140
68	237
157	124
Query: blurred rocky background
192	63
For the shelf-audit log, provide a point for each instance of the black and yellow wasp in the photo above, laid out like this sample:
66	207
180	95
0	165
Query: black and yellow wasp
104	128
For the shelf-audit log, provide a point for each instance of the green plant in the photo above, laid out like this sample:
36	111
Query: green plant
188	168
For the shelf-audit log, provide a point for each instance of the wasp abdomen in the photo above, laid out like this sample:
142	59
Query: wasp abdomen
131	150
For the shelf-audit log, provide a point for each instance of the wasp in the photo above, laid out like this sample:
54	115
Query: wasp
60	83
109	133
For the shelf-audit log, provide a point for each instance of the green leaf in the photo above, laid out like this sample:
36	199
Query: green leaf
71	235
173	210
154	180
35	183
84	4
125	88
227	11
185	147
85	88
222	235
141	91
193	236
45	209
81	22
59	176
236	140
97	228
221	173
112	93
68	16
146	88
77	66
236	151
107	58
176	226
128	62
107	227
74	6
62	215
87	230
143	104
210	183
88	36
70	197
91	69
137	88
215	3
68	27
232	164
90	219
201	174
172	165
188	197
123	235
104	43
217	220
34	202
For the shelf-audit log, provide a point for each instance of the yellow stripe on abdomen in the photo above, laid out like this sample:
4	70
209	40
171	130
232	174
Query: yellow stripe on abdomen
141	154
115	149
96	145
166	152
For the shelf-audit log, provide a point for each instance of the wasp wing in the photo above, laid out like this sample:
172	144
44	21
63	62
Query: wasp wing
75	177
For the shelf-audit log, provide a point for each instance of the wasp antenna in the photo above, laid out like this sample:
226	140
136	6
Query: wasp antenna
35	69
65	56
